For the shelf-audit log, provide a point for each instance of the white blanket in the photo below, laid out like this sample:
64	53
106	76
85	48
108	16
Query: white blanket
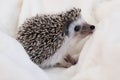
99	59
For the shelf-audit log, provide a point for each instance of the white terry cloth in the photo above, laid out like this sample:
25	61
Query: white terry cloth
15	63
99	59
9	16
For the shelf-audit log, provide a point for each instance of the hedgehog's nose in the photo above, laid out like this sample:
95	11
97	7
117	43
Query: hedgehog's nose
92	27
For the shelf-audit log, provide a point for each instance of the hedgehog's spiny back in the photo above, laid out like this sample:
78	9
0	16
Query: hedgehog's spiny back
42	36
71	15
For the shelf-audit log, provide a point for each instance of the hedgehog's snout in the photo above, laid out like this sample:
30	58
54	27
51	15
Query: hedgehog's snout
87	28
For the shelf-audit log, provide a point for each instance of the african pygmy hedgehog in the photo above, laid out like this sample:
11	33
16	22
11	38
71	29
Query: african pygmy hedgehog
48	38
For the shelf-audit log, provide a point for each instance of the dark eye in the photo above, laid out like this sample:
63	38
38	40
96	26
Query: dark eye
77	28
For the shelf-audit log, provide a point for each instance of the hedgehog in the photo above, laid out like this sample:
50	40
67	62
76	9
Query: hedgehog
47	38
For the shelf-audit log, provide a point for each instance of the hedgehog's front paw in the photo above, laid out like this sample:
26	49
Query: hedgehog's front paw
70	59
66	62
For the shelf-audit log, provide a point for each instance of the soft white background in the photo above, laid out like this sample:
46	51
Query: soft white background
99	59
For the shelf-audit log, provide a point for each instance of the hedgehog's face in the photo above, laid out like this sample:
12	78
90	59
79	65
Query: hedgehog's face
79	29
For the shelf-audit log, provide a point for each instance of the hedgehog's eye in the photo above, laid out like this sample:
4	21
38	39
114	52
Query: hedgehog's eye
77	28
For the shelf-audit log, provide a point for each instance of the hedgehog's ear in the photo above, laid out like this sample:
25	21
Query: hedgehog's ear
66	27
80	10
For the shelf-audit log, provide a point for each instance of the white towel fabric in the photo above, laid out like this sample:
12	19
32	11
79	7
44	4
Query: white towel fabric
99	59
